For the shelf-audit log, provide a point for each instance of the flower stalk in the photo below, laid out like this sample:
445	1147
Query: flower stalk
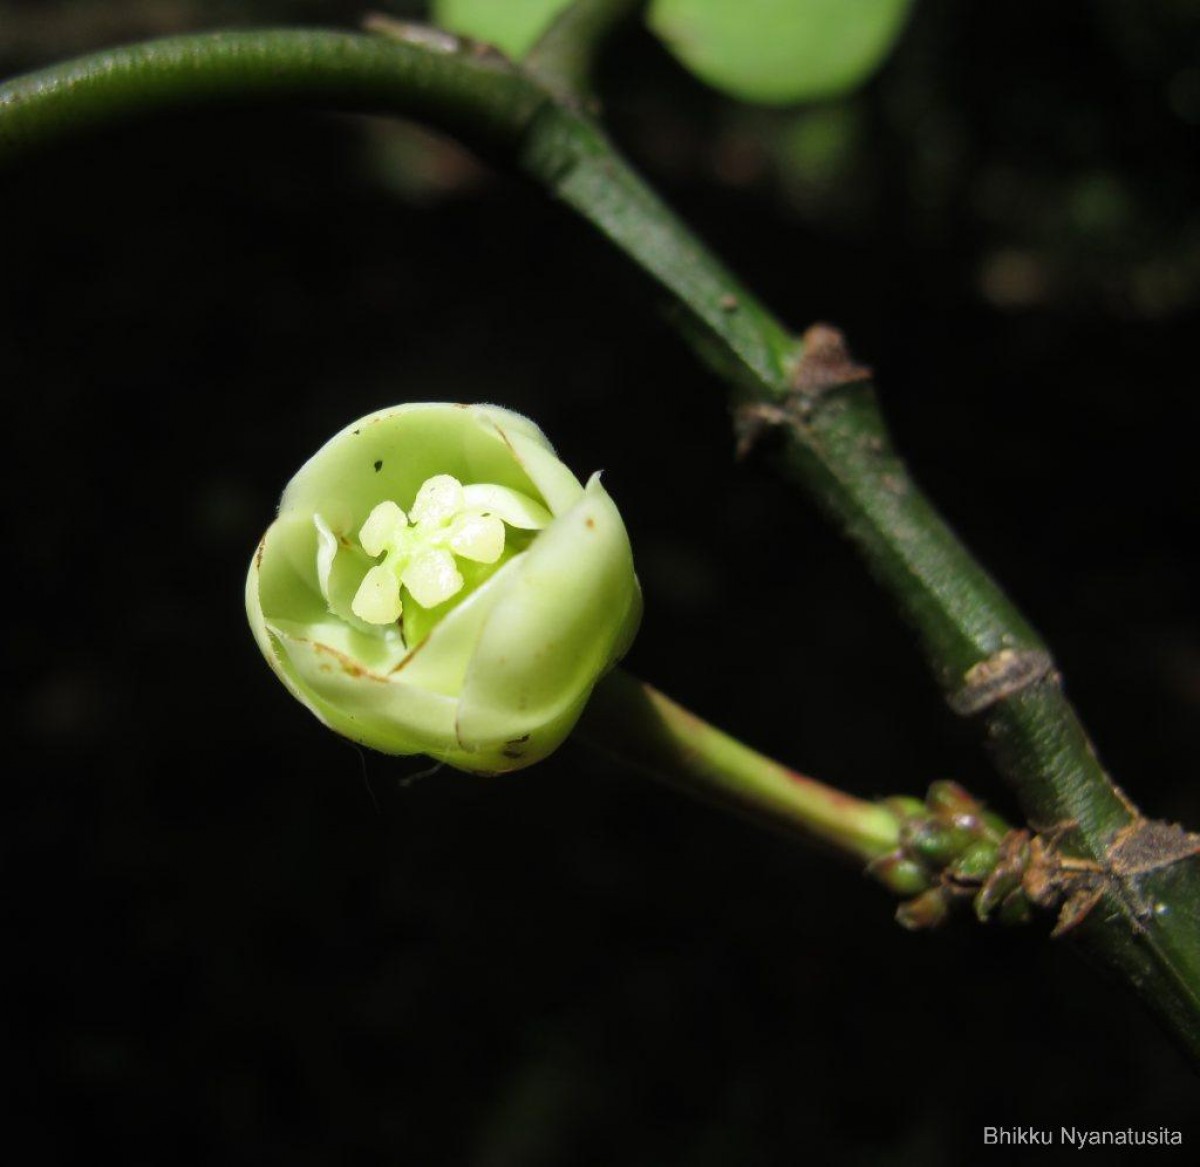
936	854
635	723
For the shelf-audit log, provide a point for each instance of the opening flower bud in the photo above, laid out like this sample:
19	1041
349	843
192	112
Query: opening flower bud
438	582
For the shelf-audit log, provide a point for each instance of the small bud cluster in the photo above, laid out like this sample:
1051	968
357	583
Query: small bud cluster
951	848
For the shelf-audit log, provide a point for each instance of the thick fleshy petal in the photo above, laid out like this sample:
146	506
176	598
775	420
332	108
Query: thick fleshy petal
282	587
554	481
390	454
439	662
569	607
389	715
284	570
396	717
341	565
327	549
517	510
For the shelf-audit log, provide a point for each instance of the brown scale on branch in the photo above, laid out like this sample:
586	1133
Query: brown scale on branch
999	677
1142	849
825	364
967	855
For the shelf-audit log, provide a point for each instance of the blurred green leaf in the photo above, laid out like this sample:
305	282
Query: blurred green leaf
511	25
776	52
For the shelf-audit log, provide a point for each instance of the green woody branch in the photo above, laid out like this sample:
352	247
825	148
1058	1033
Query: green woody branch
816	404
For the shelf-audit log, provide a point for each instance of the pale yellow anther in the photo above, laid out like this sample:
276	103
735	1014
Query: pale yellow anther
478	537
383	524
377	600
440	498
432	578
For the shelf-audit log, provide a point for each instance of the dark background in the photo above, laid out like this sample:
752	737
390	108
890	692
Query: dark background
233	938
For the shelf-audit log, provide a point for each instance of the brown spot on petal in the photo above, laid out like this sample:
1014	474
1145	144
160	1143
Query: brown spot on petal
408	656
504	439
347	664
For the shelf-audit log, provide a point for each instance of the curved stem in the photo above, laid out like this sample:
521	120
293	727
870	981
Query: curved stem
636	724
448	83
445	82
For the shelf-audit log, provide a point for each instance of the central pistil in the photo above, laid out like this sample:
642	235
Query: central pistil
420	548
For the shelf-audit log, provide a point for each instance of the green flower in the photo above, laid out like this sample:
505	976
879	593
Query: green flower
438	582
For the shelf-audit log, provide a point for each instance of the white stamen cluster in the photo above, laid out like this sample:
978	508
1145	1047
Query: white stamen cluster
419	549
